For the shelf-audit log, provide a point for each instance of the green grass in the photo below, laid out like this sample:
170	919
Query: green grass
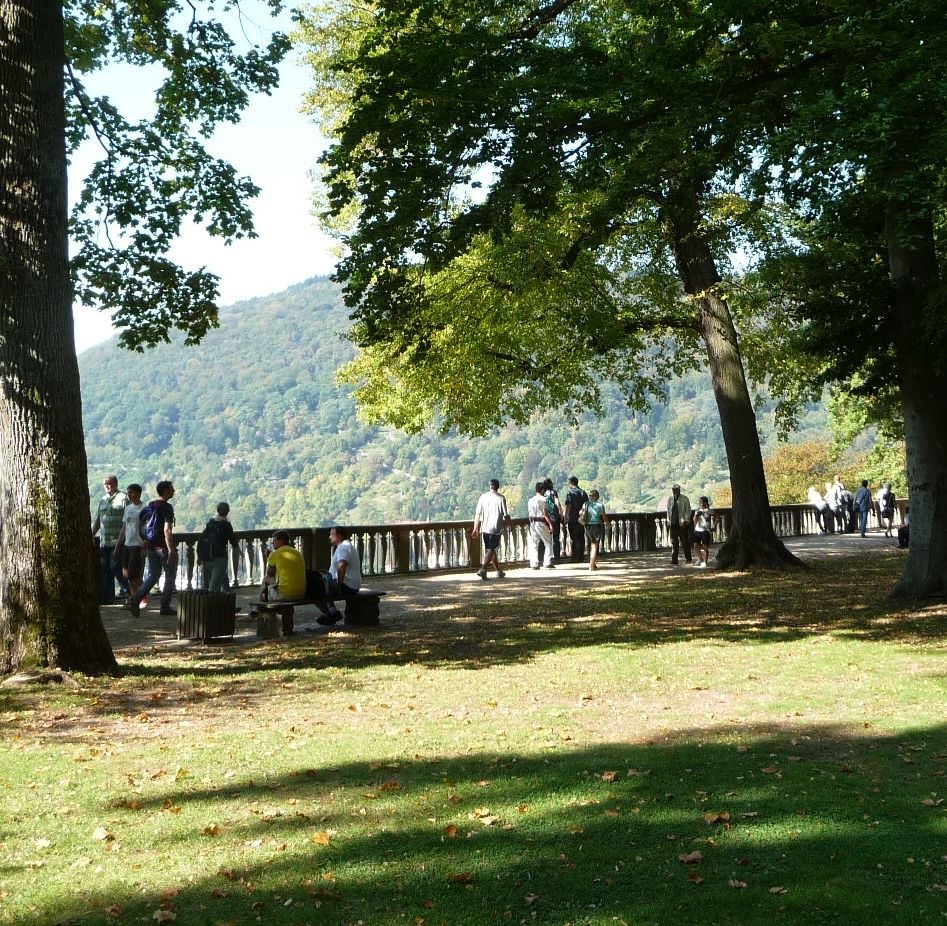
520	761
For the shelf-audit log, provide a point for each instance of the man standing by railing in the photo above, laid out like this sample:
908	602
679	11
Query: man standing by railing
161	550
490	518
576	500
680	517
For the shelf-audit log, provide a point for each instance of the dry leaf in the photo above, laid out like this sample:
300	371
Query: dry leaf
609	776
451	831
717	816
691	858
734	883
103	835
321	839
390	785
778	890
695	878
164	916
212	830
461	877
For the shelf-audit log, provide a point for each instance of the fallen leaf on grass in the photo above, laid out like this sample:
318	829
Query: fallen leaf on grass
779	889
461	877
321	839
609	776
772	770
717	816
691	858
391	784
695	878
451	831
103	835
164	916
114	910
212	830
737	884
930	802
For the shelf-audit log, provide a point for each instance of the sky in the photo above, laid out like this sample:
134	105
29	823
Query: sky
277	147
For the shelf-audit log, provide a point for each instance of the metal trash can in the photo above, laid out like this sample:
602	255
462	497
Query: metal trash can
203	615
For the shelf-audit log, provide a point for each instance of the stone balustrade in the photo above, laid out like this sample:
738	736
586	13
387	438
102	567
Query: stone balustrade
428	546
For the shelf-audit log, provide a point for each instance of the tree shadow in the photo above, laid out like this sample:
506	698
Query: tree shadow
805	825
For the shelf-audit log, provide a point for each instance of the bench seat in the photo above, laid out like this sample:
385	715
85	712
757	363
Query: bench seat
275	618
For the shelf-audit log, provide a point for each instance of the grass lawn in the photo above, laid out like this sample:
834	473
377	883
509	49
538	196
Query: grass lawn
733	749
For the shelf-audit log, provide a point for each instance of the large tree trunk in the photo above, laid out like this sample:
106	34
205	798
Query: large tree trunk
751	539
49	614
913	266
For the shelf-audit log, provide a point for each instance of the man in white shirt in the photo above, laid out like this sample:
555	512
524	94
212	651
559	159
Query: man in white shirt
491	516
345	573
540	528
131	546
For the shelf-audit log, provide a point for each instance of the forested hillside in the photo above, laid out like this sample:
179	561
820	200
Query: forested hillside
253	415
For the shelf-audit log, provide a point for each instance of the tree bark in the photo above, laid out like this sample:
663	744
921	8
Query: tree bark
912	263
49	614
751	539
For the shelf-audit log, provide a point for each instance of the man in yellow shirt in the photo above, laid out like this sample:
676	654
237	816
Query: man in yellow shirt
285	578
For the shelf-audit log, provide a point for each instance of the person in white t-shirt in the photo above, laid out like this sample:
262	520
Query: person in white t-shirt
345	573
131	546
491	516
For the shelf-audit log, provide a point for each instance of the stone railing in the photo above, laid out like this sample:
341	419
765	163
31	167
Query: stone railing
429	546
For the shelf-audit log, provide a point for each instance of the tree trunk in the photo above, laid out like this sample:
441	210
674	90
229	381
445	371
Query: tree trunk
913	266
751	539
49	614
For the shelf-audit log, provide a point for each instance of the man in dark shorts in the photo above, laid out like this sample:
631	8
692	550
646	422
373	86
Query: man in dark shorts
491	517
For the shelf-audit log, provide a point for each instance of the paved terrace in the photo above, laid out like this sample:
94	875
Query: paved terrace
410	597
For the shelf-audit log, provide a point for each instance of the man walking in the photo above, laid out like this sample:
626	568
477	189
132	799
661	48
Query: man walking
576	500
108	527
160	548
863	506
131	546
680	521
490	518
540	528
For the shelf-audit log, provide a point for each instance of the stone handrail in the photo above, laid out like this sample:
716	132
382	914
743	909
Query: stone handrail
428	546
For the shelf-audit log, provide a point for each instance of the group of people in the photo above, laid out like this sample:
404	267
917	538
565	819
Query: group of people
131	535
838	510
583	515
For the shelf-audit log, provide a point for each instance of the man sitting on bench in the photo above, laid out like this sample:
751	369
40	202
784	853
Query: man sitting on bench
285	578
345	574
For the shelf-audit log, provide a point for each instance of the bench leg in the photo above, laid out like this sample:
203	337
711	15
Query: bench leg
361	612
275	622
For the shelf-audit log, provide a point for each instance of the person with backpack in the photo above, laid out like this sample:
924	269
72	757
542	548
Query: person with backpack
554	510
214	548
576	500
157	521
596	520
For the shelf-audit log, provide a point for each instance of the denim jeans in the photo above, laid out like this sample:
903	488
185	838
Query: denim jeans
110	570
219	580
160	560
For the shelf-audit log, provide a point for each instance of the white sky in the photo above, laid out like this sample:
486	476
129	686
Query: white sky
276	146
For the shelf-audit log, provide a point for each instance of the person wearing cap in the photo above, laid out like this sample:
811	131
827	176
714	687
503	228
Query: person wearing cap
285	578
219	531
680	522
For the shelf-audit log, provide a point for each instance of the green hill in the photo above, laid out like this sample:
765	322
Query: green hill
253	415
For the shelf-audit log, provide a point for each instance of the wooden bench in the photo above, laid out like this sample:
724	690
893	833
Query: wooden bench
275	618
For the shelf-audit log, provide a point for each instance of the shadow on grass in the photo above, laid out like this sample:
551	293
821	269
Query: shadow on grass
822	827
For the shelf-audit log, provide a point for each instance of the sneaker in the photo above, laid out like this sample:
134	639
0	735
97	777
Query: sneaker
551	566
701	565
330	619
133	607
482	573
501	574
168	612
